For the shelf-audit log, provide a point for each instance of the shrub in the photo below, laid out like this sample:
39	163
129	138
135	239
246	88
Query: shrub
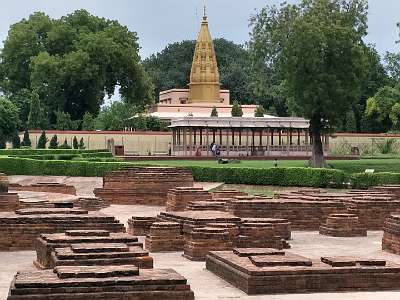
236	109
53	142
26	142
16	142
65	145
387	146
42	141
82	144
75	144
214	112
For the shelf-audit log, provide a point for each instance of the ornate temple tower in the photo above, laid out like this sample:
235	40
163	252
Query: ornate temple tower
204	83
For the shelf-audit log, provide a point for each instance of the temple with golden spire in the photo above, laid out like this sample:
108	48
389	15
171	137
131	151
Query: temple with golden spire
204	92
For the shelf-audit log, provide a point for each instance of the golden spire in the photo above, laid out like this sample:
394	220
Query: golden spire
204	77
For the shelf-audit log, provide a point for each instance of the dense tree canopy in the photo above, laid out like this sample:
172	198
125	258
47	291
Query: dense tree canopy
171	68
9	121
72	63
316	49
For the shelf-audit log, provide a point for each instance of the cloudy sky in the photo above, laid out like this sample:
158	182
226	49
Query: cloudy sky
159	22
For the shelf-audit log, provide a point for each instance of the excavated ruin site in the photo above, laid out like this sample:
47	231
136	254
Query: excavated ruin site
153	233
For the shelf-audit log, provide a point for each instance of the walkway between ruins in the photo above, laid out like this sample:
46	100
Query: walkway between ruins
209	287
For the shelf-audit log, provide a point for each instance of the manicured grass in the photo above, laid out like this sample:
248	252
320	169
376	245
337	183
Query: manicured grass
212	163
349	166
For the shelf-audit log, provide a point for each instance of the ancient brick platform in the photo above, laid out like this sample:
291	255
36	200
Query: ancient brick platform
227	194
281	227
164	237
46	187
20	229
268	271
47	243
391	234
101	254
343	225
189	220
372	210
8	201
179	197
143	186
140	225
302	214
105	282
90	203
206	239
258	235
207	205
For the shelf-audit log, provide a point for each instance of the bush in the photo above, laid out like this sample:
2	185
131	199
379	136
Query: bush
364	180
75	144
42	141
29	151
65	145
53	142
26	141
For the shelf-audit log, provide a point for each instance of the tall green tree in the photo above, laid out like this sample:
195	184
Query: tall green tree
9	120
73	63
53	142
316	47
115	116
88	122
75	144
37	115
64	122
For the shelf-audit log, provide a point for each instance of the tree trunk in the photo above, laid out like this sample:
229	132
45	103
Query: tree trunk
317	158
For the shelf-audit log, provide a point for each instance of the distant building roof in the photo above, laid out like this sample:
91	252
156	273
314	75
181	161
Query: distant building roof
241	122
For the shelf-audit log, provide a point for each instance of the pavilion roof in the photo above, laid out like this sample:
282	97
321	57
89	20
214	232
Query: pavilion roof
240	122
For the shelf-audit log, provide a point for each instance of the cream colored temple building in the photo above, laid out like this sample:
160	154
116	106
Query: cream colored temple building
204	90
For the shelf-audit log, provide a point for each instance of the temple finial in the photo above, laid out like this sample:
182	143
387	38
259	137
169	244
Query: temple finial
205	11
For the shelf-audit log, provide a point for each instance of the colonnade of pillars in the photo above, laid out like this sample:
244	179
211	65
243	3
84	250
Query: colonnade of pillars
191	141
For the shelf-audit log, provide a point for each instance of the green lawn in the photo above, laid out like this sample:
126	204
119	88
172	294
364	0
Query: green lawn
350	166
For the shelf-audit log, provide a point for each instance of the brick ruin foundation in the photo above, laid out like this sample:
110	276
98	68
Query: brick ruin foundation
271	271
90	203
45	187
179	197
343	225
8	201
164	237
391	234
97	247
20	229
125	282
140	225
143	186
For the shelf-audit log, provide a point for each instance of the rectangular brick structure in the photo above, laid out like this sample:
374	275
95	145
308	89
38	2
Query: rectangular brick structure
140	225
391	234
164	237
343	225
207	205
302	214
90	203
142	185
258	235
264	271
110	282
227	194
206	239
20	229
47	243
8	201
101	254
46	187
179	197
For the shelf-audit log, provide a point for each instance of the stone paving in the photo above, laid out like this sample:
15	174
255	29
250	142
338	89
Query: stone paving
207	286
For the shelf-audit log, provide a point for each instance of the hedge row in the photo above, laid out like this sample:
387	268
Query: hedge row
306	177
66	156
18	152
359	166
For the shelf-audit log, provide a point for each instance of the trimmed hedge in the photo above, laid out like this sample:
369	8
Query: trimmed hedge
364	180
306	177
271	176
302	177
359	166
18	152
65	155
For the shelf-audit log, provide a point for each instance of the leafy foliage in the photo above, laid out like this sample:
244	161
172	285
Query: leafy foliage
9	121
65	145
26	141
75	144
53	142
316	51
37	115
81	144
73	63
88	122
236	109
260	111
42	141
